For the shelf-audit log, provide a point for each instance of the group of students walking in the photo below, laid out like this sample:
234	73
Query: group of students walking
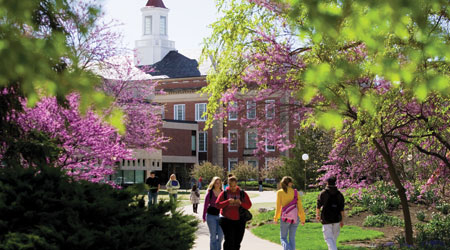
224	206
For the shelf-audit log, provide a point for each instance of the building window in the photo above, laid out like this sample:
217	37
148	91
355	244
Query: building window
250	139
267	161
194	142
148	25
252	163
202	142
178	112
200	109
163	25
251	109
232	162
270	109
232	111
233	141
269	148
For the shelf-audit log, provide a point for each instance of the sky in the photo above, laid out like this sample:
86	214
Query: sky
187	22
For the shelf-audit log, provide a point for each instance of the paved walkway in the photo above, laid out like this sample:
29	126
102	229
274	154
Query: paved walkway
250	241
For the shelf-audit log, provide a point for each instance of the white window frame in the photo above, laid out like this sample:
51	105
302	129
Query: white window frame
229	140
199	115
233	115
251	110
230	160
269	149
256	165
267	160
205	141
161	23
247	136
148	26
270	104
175	111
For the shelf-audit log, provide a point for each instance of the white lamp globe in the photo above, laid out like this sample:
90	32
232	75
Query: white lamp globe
305	157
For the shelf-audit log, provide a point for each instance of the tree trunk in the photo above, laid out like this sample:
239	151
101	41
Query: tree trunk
401	192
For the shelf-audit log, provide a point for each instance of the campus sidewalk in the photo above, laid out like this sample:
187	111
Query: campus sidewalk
250	241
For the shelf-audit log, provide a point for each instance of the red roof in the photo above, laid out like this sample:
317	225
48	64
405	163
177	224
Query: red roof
156	3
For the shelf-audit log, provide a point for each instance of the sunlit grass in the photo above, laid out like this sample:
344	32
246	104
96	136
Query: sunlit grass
310	236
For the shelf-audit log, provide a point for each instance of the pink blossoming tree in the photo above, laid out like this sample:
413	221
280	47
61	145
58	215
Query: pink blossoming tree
352	67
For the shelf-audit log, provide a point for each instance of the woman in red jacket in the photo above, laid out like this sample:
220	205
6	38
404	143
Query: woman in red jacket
229	202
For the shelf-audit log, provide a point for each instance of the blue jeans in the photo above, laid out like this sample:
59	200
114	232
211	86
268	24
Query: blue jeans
215	232
152	198
286	228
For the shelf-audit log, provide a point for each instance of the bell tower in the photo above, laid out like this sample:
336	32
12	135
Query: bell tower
154	43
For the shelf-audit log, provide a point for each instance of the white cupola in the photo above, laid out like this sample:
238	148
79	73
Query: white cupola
154	43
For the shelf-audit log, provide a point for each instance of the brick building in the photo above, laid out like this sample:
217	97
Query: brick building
182	108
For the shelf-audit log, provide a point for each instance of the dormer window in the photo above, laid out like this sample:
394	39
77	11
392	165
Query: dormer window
148	25
163	25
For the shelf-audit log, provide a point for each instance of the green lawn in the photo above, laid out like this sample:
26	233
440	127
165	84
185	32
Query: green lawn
310	237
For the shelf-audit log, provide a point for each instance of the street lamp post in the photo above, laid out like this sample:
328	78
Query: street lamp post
305	157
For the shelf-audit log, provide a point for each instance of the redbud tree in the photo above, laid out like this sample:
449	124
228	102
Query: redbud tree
375	72
91	147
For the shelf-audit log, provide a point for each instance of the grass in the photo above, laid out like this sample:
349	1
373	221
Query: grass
310	237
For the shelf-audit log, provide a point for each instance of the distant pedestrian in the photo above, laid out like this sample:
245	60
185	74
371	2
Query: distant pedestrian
332	202
225	182
154	186
260	183
200	180
229	201
172	188
211	214
195	198
289	208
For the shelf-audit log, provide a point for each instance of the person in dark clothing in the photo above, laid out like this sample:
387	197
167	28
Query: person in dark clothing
154	185
330	212
233	228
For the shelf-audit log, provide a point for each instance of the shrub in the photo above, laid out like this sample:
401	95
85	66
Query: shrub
256	184
381	220
421	215
356	210
444	208
435	233
381	198
45	209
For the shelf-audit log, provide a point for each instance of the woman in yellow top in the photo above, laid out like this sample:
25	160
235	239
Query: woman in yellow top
289	211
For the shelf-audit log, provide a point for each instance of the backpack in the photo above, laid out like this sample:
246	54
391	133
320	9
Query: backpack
331	212
289	213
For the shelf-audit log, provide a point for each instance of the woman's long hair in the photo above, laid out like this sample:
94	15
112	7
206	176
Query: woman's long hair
285	183
213	181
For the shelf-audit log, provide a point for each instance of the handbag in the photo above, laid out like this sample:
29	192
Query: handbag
212	210
244	214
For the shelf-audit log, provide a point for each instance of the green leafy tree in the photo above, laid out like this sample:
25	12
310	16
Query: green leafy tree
207	171
356	66
276	169
317	144
245	172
